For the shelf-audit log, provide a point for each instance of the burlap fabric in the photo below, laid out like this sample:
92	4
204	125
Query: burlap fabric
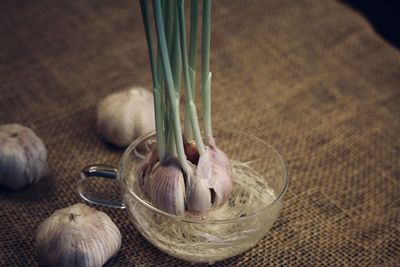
310	77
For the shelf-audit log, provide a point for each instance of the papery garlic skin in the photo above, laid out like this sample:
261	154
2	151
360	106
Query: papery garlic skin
77	236
124	116
23	156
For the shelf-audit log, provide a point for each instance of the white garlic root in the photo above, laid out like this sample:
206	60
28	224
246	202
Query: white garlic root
124	116
23	156
77	236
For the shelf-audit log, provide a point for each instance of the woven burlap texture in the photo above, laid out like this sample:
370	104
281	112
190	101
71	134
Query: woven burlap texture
310	77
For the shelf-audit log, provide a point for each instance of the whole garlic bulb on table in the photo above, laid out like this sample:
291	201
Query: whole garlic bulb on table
77	236
23	156
124	116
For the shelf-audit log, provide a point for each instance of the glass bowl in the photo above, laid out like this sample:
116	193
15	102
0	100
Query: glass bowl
260	182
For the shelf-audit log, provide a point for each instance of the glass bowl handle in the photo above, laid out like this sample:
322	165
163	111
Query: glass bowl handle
93	172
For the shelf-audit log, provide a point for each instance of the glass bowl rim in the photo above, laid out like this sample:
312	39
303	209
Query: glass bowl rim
139	140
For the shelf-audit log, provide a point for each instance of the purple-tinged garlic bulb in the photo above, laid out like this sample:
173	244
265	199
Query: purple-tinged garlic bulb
212	185
77	236
124	116
23	156
222	177
173	191
164	185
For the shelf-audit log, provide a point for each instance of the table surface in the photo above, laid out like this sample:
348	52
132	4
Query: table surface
310	77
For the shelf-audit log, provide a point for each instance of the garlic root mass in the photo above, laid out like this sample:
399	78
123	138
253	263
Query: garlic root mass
124	116
77	236
23	156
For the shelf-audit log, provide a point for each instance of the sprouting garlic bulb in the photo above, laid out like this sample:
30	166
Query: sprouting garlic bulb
77	236
165	186
23	156
169	189
212	185
124	116
222	178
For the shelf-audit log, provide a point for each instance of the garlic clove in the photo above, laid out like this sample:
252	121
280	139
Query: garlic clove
77	236
198	197
213	182
23	156
222	178
165	187
124	116
221	182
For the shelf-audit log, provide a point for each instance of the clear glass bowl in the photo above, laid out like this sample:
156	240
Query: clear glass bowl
260	182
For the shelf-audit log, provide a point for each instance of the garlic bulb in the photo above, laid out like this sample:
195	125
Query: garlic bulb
23	156
221	182
165	186
77	236
124	116
213	182
172	190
